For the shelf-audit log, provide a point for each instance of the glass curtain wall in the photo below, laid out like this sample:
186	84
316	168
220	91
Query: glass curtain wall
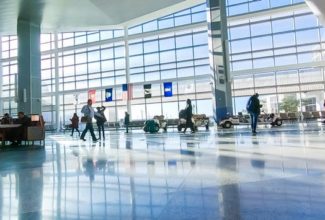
278	56
239	7
96	60
9	73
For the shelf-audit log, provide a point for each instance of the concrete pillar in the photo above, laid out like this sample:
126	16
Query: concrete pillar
219	58
1	79
29	67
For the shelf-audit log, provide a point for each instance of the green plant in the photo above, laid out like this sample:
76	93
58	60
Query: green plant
289	104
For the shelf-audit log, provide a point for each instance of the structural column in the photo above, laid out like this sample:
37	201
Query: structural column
1	79
219	59
127	64
29	67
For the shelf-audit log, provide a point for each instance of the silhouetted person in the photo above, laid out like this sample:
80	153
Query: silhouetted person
254	109
88	112
89	169
100	121
20	132
75	123
127	121
6	119
189	115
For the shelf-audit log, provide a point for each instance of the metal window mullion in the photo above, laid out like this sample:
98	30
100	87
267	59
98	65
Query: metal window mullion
127	66
176	62
56	67
296	46
251	45
275	78
162	91
194	81
273	19
100	69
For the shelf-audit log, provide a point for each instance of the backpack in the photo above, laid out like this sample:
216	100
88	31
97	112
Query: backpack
249	105
151	126
99	119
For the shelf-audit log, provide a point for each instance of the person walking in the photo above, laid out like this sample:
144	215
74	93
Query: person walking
189	115
89	113
254	109
127	122
75	123
100	121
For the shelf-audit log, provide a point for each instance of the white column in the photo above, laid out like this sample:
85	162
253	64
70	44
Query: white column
57	97
1	98
127	67
219	58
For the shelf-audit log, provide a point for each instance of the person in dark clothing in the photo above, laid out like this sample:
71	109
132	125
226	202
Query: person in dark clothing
254	109
189	115
100	121
88	112
23	119
75	123
127	121
21	131
6	119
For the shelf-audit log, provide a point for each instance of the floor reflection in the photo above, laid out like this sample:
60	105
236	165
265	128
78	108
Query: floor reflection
206	175
22	184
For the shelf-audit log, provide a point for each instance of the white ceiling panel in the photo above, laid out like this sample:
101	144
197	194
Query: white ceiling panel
73	15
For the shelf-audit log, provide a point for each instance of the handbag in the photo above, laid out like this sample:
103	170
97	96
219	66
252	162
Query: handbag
84	119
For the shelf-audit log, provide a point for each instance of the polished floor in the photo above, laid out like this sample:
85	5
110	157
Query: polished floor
229	174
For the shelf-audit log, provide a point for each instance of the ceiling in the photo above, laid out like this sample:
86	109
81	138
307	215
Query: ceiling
318	8
74	15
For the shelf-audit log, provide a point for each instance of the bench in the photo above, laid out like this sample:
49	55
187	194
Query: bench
136	124
49	127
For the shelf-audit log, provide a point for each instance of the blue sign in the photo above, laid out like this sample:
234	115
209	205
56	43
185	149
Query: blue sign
168	89
109	95
125	87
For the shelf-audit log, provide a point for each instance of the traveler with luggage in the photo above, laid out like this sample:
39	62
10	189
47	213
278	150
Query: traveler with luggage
254	109
189	115
89	113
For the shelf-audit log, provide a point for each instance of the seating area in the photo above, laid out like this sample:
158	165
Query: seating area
35	131
138	124
302	116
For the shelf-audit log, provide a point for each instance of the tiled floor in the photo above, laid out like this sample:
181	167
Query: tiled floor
228	174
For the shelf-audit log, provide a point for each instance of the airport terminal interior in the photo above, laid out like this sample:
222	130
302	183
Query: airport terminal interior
146	59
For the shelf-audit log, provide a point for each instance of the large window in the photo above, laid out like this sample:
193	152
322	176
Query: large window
265	52
237	7
96	60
